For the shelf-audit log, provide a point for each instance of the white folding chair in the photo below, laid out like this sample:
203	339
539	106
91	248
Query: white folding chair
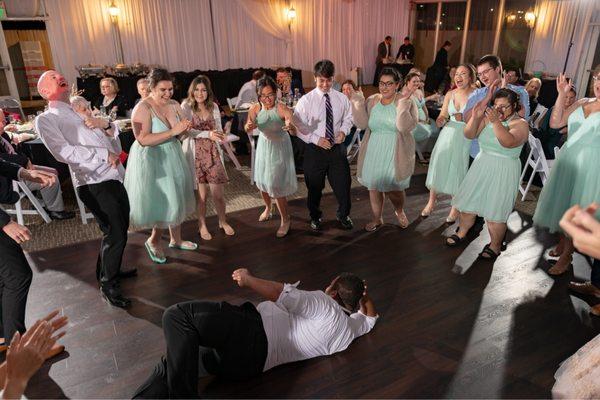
23	191
354	146
251	137
82	211
226	144
538	163
231	102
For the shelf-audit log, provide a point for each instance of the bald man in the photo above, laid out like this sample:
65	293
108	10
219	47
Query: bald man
91	148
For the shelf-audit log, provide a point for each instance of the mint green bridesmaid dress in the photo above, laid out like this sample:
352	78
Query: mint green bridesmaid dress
450	156
575	175
491	184
159	183
379	166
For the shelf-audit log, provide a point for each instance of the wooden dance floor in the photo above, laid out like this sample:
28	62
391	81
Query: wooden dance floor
450	326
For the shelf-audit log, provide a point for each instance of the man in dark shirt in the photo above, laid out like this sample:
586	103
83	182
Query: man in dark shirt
406	51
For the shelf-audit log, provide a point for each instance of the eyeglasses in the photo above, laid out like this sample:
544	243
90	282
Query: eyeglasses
596	78
485	72
267	96
386	84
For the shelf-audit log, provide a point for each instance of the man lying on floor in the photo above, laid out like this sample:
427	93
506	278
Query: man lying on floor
238	342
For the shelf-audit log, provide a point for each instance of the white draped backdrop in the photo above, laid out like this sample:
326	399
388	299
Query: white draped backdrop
220	34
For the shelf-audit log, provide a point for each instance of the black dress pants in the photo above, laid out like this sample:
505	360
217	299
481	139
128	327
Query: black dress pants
109	203
225	340
333	164
15	279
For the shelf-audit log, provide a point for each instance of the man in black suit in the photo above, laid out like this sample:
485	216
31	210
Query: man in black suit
406	51
15	273
384	52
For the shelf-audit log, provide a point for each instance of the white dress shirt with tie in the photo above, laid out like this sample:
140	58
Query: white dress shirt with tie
85	150
309	115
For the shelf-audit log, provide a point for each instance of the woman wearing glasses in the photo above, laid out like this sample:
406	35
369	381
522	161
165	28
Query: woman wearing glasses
274	171
574	178
490	186
450	156
387	154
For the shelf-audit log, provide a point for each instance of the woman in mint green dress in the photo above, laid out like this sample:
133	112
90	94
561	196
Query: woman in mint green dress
274	170
491	184
424	128
450	157
158	179
574	178
387	152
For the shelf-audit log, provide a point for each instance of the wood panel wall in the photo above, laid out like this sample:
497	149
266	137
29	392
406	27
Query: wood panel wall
13	36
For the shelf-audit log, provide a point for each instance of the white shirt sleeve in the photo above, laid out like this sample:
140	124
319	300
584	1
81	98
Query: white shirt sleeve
303	303
361	323
301	118
64	151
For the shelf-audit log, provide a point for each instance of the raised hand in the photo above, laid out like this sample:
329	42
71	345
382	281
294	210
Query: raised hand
563	85
250	125
479	109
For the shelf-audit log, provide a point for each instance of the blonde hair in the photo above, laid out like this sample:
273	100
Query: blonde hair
536	80
113	83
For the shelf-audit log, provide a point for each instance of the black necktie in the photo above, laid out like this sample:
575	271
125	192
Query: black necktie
329	120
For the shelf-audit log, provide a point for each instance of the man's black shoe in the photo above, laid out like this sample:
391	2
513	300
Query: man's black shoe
346	223
114	297
315	224
60	214
128	273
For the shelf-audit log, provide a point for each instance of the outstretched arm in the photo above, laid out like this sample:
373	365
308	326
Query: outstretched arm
270	290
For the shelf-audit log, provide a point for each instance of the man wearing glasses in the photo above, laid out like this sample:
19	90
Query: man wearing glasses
489	72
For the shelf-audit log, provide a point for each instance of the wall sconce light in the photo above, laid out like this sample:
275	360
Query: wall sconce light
113	10
530	19
511	18
291	14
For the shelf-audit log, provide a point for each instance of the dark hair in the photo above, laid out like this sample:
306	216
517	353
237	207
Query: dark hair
472	71
447	43
491	59
281	69
265	81
210	98
389	71
350	82
511	95
324	68
388	37
259	73
157	75
350	289
411	75
406	38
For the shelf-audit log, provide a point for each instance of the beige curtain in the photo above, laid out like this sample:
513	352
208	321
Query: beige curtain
552	33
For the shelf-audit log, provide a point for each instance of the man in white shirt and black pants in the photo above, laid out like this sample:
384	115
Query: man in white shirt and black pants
91	148
239	342
324	118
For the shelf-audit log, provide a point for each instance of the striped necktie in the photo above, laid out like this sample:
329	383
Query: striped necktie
329	120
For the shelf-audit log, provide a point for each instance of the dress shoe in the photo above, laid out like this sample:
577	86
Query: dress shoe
114	297
59	215
315	224
346	223
585	288
128	273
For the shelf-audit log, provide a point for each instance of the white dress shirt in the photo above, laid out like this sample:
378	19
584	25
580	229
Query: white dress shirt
309	115
247	94
302	325
85	150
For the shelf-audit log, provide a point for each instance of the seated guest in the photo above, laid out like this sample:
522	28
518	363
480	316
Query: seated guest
286	83
51	195
110	100
239	342
143	89
512	76
536	110
551	137
247	93
349	88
